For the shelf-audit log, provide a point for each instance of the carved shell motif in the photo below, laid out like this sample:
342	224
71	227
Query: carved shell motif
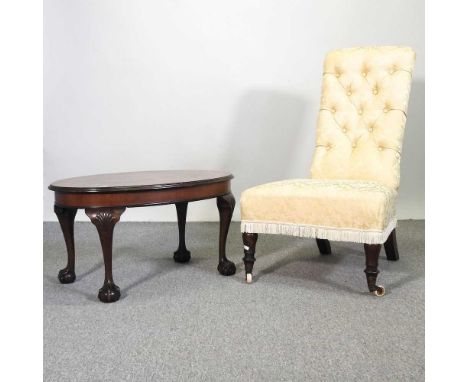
103	218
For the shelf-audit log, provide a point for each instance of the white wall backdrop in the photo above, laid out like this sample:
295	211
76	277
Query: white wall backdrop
209	84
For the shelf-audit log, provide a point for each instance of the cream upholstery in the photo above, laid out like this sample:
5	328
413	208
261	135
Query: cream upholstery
348	210
363	114
356	164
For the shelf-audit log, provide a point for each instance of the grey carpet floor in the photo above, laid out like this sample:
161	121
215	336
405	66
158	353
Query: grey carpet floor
306	317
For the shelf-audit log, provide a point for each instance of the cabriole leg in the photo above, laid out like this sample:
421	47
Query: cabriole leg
372	263
226	204
250	240
182	255
105	220
66	218
391	248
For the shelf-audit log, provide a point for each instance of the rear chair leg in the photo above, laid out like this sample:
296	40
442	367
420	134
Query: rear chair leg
250	240
391	248
372	263
324	246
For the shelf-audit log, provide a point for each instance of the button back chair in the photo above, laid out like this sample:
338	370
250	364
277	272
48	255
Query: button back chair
355	172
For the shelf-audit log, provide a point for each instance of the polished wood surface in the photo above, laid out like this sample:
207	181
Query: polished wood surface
372	262
250	242
226	205
105	197
136	198
182	254
66	218
105	220
139	181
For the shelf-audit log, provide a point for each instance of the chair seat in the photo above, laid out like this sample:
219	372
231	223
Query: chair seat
341	210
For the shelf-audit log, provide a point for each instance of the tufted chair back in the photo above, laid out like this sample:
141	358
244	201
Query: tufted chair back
362	114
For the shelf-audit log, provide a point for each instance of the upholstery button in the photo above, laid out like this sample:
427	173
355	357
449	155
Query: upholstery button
337	75
328	147
385	110
349	93
370	129
364	74
344	129
333	110
375	91
360	111
353	145
380	148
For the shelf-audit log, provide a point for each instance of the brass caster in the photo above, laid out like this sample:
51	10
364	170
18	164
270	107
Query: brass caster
379	291
248	278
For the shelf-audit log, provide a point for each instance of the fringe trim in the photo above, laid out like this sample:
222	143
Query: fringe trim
333	234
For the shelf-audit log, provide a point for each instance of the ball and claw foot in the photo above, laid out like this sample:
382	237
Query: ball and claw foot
379	291
182	256
109	292
248	278
66	276
226	268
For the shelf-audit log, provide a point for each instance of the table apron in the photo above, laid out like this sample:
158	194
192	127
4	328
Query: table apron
142	198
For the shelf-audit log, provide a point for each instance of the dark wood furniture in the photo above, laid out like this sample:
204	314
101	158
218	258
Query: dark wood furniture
372	252
105	197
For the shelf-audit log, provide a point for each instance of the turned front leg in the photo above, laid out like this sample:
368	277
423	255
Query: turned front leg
105	220
250	241
182	255
372	263
226	204
66	218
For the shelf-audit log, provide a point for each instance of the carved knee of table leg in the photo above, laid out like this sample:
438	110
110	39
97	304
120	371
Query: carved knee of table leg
105	220
250	241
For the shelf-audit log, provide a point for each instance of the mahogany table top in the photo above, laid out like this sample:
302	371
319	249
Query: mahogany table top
139	181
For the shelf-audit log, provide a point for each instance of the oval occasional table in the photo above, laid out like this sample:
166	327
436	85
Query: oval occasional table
105	197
